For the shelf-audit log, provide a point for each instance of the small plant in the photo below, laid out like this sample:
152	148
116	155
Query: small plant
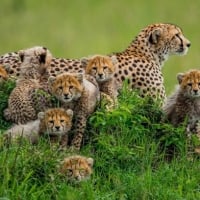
5	90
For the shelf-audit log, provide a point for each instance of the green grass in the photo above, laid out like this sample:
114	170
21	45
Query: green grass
5	90
136	155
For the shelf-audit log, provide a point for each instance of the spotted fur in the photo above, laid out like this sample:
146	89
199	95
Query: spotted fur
20	106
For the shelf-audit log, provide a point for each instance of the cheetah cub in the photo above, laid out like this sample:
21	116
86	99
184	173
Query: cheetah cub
53	124
185	101
80	95
102	68
76	168
33	77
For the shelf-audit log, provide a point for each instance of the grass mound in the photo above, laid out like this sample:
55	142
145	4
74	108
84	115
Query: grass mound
129	145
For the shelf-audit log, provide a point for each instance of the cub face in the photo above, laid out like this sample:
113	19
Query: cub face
66	87
55	121
190	83
77	168
101	68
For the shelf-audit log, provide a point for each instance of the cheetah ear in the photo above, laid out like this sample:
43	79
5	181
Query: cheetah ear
90	161
69	113
40	115
21	55
51	79
155	36
180	77
84	62
114	59
42	58
48	56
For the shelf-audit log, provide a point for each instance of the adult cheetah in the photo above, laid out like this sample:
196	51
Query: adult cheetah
142	61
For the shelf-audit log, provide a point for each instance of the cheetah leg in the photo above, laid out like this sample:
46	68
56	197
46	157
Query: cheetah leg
80	125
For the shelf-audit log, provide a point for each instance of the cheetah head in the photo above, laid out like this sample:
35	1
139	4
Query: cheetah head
167	39
66	87
55	121
190	83
101	68
35	61
76	168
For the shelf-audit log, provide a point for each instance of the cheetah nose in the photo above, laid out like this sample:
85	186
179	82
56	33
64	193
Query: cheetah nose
188	44
57	128
195	91
100	75
77	178
66	96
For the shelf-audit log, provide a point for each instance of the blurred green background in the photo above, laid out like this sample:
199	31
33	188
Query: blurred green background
73	29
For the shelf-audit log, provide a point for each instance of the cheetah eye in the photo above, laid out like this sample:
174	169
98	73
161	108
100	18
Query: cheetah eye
69	171
177	34
82	171
60	87
94	68
189	84
105	67
51	121
62	120
71	87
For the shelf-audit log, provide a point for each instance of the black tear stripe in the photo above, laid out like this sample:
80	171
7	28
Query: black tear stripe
180	40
